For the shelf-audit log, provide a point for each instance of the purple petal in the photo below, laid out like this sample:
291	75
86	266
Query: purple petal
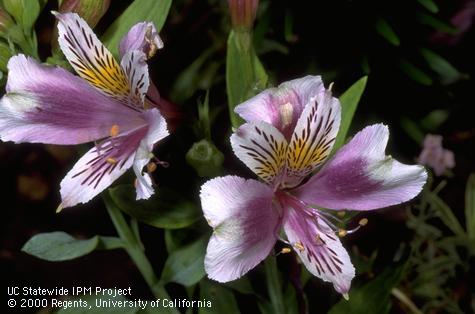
99	167
283	105
319	249
136	69
143	37
313	138
46	104
262	148
92	61
157	130
244	222
360	176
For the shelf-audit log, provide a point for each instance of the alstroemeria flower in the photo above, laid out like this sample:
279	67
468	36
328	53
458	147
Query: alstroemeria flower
46	104
288	136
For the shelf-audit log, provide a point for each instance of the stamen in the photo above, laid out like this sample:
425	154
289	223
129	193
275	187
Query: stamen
341	213
318	240
285	250
299	246
363	222
286	114
111	160
114	131
342	233
59	208
151	167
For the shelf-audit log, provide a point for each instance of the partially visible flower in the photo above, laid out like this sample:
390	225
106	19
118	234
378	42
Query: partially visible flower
435	156
462	19
289	135
243	12
46	104
90	10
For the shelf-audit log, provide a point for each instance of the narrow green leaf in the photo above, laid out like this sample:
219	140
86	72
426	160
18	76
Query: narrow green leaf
223	300
415	73
429	5
140	10
412	129
447	72
429	20
386	31
372	297
241	285
434	119
185	265
349	101
245	75
31	10
59	246
446	214
165	209
470	206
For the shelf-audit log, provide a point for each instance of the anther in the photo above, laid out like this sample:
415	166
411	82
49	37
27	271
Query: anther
342	233
341	213
363	222
114	131
111	160
318	240
299	246
151	167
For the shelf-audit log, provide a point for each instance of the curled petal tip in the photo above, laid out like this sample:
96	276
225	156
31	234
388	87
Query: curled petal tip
59	208
55	13
346	296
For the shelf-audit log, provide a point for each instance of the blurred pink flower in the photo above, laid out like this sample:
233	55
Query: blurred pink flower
435	156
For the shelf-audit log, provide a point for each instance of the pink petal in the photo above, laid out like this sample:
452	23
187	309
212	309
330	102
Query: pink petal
313	137
99	167
92	61
319	249
143	37
244	222
262	148
360	176
157	130
46	104
283	105
136	69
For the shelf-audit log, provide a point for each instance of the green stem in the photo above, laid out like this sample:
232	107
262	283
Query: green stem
274	285
133	247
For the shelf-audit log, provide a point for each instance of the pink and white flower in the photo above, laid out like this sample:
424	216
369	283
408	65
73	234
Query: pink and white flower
105	103
286	141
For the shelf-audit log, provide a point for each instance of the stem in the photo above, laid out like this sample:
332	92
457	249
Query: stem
405	300
274	285
133	247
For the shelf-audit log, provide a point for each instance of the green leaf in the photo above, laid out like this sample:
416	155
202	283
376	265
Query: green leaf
223	300
165	209
429	5
241	285
59	246
349	101
386	31
415	73
140	10
31	10
437	24
245	75
412	129
446	214
185	265
372	297
435	119
470	206
447	72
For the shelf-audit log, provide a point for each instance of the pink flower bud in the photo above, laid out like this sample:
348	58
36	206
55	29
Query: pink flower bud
243	12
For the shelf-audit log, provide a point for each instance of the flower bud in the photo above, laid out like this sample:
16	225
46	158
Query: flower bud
90	10
243	13
5	22
205	158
